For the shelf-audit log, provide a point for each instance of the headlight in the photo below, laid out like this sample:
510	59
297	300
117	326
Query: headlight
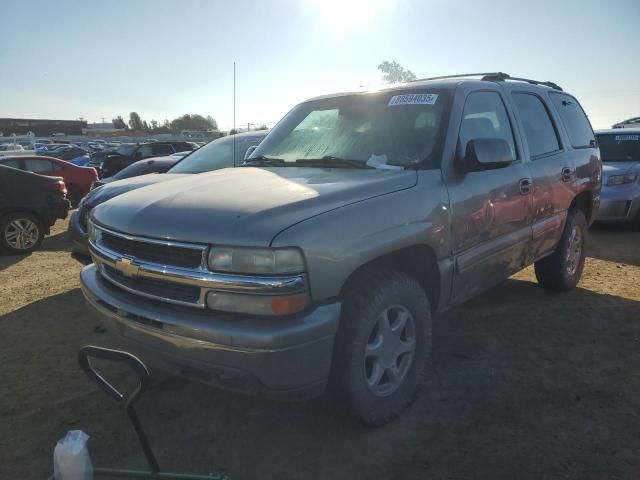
92	231
256	261
622	179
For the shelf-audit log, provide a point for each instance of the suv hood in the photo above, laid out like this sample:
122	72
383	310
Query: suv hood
619	168
118	187
244	206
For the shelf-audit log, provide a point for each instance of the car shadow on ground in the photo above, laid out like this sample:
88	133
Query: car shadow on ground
524	383
604	243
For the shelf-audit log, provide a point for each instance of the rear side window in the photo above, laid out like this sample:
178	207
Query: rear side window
574	120
485	116
162	149
13	163
37	166
538	128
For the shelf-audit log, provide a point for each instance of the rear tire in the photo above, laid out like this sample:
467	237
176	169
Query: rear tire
561	271
383	345
21	233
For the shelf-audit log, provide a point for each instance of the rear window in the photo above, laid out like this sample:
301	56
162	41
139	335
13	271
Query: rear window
619	147
574	120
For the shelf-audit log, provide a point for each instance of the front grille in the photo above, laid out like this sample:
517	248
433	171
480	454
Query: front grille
157	288
153	252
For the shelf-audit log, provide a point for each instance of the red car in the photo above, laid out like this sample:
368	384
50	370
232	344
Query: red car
78	179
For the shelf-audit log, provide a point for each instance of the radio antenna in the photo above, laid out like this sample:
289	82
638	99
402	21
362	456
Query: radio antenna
234	114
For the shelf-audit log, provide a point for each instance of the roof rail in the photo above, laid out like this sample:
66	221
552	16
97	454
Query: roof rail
495	77
443	77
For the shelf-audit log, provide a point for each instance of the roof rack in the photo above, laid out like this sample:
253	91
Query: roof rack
495	77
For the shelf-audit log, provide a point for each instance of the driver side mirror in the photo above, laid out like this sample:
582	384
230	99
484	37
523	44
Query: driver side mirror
485	154
249	151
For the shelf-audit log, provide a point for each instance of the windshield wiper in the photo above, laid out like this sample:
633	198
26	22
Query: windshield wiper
331	161
262	160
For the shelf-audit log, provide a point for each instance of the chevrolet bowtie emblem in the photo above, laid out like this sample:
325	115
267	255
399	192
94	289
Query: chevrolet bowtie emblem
127	267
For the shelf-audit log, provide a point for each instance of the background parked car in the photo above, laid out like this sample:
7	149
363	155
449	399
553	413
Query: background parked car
630	123
124	157
78	180
143	167
29	205
68	152
213	156
620	196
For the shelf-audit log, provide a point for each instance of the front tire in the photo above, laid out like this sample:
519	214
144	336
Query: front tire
561	271
21	233
383	344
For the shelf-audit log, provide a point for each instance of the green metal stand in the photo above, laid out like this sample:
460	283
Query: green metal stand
144	377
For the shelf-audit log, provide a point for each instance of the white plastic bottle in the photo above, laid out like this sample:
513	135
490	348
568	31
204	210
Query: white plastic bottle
71	459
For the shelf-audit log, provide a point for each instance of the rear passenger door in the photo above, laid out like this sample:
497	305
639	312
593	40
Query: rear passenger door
582	151
491	210
550	168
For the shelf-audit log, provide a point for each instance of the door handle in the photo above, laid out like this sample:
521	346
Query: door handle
525	186
567	173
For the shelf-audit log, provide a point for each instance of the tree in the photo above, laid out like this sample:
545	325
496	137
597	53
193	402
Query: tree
118	123
233	131
213	122
395	73
263	127
145	126
193	122
135	122
154	125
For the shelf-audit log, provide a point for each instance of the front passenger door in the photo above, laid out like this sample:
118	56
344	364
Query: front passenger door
491	210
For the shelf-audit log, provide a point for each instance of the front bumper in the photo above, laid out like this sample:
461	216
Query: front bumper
620	203
78	234
284	358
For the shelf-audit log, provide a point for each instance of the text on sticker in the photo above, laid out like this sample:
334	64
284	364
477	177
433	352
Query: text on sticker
621	138
414	99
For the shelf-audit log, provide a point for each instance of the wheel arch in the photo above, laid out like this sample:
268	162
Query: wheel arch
6	212
584	202
418	261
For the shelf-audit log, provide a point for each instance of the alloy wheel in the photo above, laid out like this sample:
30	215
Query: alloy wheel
21	234
390	350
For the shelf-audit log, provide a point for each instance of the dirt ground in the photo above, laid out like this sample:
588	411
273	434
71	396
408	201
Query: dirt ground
525	384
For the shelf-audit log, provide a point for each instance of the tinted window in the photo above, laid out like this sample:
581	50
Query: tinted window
38	166
162	149
144	151
574	120
12	163
538	128
126	150
619	147
214	155
485	116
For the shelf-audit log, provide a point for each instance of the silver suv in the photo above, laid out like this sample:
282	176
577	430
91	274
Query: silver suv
359	218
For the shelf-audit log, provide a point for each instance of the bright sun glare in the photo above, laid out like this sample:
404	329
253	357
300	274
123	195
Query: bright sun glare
346	12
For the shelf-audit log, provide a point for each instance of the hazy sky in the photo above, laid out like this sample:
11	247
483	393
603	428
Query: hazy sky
70	59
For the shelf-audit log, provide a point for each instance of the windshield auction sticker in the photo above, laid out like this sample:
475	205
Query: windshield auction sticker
414	99
632	138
